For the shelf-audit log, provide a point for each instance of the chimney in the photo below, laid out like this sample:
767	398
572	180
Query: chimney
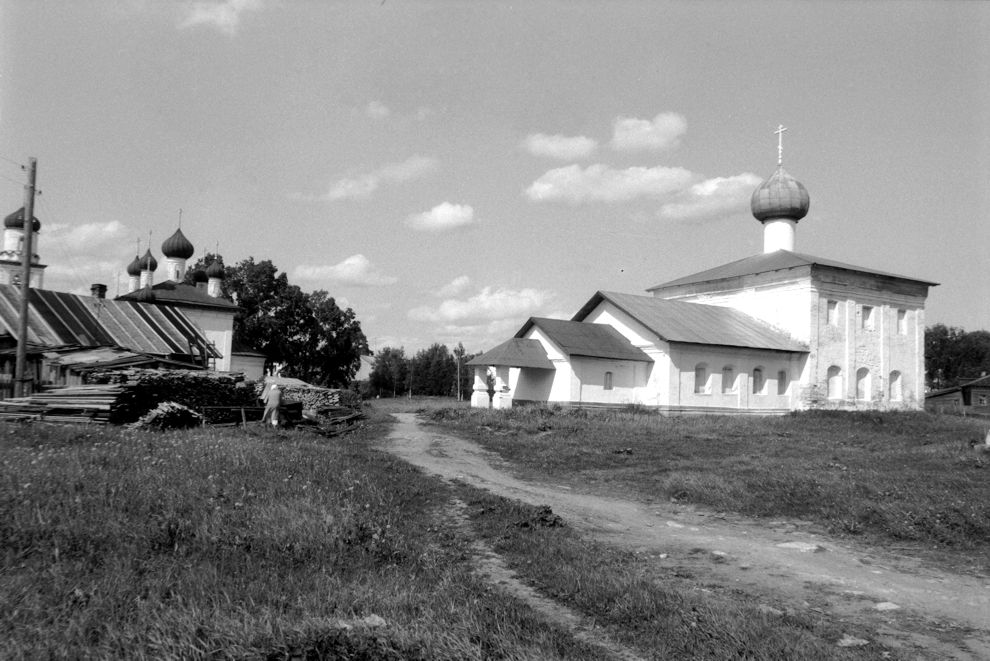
98	290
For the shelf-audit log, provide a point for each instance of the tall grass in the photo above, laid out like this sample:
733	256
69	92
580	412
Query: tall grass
906	478
208	544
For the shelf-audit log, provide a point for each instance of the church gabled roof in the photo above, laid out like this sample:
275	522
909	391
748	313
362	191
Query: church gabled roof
590	340
779	260
516	352
179	294
695	323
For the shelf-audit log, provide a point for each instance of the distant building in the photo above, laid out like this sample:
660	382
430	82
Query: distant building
776	332
971	397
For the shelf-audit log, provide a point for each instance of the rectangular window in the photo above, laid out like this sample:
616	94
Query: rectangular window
868	315
728	380
608	380
832	313
902	322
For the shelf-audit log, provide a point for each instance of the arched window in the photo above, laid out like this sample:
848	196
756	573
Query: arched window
782	382
608	380
728	379
758	381
863	383
896	393
701	378
834	382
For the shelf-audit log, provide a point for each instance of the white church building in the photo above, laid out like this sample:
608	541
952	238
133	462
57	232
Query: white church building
776	332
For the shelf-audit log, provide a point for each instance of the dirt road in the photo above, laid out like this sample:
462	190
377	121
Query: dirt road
910	607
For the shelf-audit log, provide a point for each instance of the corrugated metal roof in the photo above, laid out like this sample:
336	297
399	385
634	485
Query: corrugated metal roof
57	319
517	352
779	260
694	323
592	340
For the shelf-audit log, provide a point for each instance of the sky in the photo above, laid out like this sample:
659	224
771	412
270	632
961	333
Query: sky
449	169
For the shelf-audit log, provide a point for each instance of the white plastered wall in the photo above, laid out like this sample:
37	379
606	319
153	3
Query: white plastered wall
218	327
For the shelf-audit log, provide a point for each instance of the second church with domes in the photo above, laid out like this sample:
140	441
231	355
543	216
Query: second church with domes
776	332
203	302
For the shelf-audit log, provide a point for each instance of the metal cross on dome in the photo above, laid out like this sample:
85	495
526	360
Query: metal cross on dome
780	143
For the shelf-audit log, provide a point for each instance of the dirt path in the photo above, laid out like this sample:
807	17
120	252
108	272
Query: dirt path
913	608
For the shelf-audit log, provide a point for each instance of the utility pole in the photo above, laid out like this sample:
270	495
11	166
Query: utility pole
27	253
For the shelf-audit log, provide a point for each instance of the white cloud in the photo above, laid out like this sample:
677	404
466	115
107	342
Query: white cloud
377	110
355	270
719	196
224	15
441	217
663	132
364	185
454	287
488	304
600	183
93	237
559	146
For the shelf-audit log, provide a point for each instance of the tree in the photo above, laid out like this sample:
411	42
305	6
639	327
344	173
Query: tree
389	372
433	372
315	339
953	356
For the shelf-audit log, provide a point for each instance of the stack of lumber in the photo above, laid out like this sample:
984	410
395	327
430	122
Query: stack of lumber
90	404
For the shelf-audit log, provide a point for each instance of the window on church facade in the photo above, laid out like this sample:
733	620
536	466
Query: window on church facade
832	313
782	382
863	383
758	382
728	379
608	380
895	386
834	382
902	322
868	314
701	379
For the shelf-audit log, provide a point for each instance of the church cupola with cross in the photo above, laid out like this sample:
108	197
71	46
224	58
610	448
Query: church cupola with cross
779	203
177	249
11	255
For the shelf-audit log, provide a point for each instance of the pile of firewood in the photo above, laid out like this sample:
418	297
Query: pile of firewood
217	396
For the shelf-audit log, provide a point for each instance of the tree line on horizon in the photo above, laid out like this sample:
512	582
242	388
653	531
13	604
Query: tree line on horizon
433	372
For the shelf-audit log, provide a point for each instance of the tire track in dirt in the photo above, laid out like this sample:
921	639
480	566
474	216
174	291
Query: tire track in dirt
907	605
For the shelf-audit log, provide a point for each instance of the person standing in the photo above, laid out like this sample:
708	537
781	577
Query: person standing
273	400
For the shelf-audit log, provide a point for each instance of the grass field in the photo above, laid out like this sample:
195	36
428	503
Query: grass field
225	544
911	480
222	544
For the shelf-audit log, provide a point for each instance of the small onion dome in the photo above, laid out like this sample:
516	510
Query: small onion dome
145	295
215	270
16	221
134	268
178	245
148	261
199	275
780	196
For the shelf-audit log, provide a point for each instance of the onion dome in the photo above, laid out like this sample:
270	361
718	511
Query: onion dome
215	270
145	295
780	196
199	275
134	268
178	245
148	261
16	221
